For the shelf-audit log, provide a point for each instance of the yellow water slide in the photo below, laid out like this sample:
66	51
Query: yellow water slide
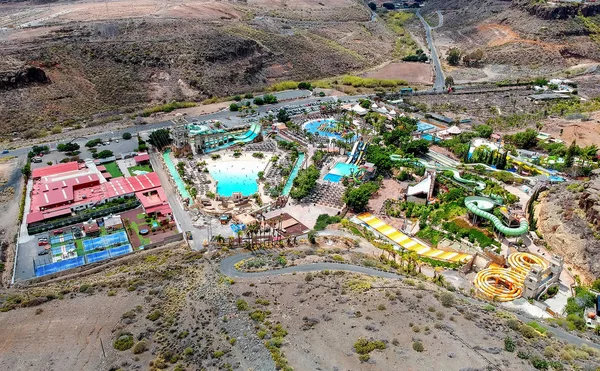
410	244
506	284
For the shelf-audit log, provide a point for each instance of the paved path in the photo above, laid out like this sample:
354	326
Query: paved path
227	267
439	84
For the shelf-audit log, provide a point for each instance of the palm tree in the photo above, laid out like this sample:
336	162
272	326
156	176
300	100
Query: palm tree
240	233
252	230
219	239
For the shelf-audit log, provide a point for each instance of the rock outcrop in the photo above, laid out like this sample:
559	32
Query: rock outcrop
22	77
569	219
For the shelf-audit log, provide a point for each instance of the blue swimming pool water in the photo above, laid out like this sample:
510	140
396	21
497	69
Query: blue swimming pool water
232	176
340	170
288	185
313	127
430	138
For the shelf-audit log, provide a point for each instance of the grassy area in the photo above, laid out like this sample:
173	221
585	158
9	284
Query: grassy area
169	107
405	45
113	169
143	240
145	168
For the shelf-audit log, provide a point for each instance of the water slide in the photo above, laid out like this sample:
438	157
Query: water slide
231	139
506	284
480	207
351	156
455	173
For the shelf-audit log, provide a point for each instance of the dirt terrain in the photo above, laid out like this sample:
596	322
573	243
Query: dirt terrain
567	229
172	309
90	60
517	41
413	72
11	185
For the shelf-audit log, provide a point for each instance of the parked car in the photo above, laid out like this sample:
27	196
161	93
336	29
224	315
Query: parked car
36	160
58	231
44	252
5	152
42	243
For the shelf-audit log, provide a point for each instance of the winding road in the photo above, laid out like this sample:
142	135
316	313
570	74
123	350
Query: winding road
227	267
439	84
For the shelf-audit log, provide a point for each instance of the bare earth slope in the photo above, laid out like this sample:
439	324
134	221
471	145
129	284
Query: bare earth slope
118	55
519	40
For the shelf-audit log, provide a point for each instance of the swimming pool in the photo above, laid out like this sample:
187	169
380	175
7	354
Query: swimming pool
290	182
313	127
340	170
236	176
430	138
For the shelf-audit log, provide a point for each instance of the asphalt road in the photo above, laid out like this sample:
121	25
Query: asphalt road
439	84
229	119
227	267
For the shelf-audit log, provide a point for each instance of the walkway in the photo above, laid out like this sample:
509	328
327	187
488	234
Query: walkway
410	244
440	83
227	267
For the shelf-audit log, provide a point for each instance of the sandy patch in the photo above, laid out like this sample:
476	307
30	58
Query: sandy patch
585	133
413	72
497	35
65	336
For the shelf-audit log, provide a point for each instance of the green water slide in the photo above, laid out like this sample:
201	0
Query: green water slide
455	173
480	207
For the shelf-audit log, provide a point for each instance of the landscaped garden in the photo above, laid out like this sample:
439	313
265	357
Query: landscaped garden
113	169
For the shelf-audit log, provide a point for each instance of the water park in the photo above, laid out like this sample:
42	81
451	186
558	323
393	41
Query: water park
440	191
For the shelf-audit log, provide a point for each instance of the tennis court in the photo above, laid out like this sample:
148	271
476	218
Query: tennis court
105	241
107	254
58	250
59	266
59	240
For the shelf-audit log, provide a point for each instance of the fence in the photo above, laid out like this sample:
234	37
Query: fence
81	217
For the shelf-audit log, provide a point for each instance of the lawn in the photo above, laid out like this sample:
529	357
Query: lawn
145	168
143	240
113	169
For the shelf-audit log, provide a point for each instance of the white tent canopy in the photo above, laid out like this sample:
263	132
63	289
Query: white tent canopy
359	110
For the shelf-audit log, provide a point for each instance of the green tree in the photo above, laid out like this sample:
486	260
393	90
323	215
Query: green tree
373	6
270	99
304	182
259	101
105	153
484	131
283	116
449	81
357	198
126	135
305	86
233	107
160	138
571	153
416	147
453	56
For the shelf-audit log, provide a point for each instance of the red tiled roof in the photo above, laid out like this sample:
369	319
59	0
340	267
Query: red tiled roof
101	168
163	210
38	216
122	186
142	158
54	169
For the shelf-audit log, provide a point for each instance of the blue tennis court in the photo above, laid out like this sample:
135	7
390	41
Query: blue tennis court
57	250
423	126
97	256
56	240
120	250
105	241
59	266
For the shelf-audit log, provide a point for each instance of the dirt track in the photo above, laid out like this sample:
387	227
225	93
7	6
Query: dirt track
413	72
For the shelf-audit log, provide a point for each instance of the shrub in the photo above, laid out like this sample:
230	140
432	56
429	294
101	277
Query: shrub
241	305
126	135
364	346
539	363
447	299
418	346
154	315
513	324
140	347
528	331
123	342
309	277
84	288
188	351
381	307
218	354
509	344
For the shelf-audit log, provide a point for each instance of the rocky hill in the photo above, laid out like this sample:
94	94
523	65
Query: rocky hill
518	38
118	56
568	216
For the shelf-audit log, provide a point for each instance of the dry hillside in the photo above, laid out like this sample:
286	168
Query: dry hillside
65	61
